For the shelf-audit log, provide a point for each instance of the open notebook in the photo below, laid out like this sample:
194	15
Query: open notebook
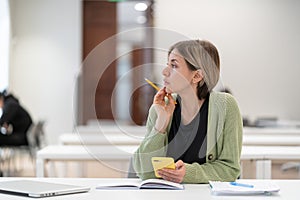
38	188
243	187
146	184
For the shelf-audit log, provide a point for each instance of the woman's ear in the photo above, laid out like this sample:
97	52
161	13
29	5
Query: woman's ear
198	76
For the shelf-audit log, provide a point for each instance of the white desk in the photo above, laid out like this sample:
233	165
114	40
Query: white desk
83	153
133	135
263	155
112	129
141	130
99	139
289	189
122	139
271	131
271	152
271	140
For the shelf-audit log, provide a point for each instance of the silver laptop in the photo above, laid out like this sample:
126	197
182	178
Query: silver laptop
39	189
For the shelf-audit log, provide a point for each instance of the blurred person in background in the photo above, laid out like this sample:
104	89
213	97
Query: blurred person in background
14	121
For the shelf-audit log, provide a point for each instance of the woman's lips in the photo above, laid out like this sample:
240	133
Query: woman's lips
166	83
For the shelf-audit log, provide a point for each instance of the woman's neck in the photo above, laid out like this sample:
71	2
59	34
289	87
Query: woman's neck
190	106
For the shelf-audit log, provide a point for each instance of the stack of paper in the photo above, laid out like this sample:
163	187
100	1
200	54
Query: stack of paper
243	187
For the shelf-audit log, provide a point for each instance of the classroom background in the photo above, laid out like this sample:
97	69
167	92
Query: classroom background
48	47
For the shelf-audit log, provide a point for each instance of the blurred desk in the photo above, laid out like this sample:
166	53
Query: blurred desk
271	131
289	189
99	139
271	140
140	131
122	139
262	155
112	129
122	154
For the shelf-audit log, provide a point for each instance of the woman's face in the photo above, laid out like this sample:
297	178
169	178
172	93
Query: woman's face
177	76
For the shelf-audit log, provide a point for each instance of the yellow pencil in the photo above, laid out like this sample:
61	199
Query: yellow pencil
155	87
152	84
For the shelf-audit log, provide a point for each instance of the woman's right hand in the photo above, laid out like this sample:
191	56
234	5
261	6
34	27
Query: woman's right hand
164	110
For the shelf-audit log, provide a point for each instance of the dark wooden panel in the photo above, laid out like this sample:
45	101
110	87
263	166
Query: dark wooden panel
98	77
141	98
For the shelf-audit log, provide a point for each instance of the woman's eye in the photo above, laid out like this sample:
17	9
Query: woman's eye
173	66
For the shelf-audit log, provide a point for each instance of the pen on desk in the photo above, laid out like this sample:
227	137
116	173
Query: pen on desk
241	184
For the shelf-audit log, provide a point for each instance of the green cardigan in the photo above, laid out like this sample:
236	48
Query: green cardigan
224	144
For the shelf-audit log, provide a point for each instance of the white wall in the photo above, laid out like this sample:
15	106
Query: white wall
4	47
258	41
259	44
46	55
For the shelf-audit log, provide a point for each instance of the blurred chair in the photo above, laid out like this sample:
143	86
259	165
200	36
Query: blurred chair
291	165
10	155
36	138
131	172
266	122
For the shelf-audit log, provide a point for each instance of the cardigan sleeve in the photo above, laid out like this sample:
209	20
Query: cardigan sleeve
154	144
224	163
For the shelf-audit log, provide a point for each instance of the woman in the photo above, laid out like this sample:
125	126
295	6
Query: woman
203	130
14	122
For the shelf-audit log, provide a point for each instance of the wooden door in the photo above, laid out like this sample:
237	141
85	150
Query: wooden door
98	79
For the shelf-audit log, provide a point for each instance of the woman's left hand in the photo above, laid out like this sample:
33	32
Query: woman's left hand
176	175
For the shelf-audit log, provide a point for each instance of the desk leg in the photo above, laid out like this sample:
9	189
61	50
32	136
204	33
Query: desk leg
263	169
81	169
40	167
78	167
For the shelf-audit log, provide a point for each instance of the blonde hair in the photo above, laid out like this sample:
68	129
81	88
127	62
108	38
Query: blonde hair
203	55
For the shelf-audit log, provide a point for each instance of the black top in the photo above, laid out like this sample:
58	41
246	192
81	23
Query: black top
13	113
188	142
